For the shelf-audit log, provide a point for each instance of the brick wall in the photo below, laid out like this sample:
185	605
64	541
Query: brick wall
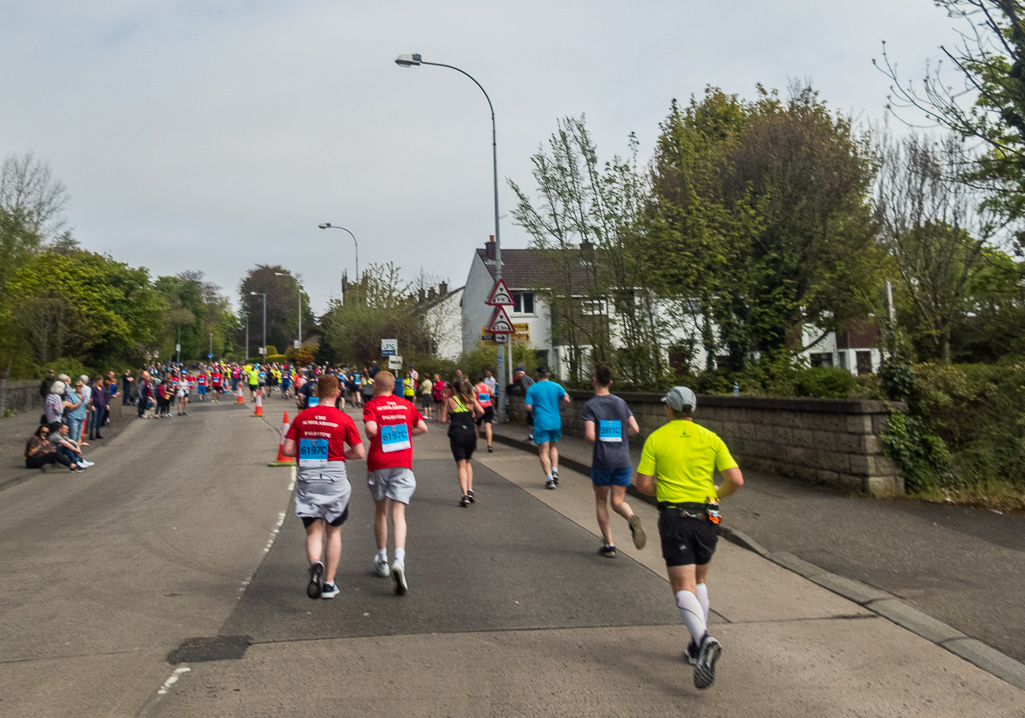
823	441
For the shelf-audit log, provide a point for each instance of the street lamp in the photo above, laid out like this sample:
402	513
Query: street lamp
299	293
264	295
415	60
328	225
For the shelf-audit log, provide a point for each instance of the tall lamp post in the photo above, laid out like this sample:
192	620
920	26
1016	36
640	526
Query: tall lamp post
328	225
299	294
264	295
415	60
247	336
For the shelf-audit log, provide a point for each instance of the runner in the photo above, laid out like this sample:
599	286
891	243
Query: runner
201	385
286	382
390	423
438	394
183	395
409	386
426	397
216	380
322	488
485	398
463	407
253	375
677	466
610	460
542	401
261	379
357	386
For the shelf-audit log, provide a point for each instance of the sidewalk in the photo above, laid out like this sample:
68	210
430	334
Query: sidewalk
940	571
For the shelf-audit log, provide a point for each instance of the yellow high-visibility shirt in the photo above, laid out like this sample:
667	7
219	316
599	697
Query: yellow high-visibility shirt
683	457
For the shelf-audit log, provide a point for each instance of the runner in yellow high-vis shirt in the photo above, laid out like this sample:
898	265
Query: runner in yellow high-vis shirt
677	466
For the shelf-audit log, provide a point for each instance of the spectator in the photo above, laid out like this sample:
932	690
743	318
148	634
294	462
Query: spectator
44	388
53	406
126	387
39	451
99	402
67	447
78	410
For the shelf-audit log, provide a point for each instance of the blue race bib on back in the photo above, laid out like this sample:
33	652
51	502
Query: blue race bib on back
610	431
312	453
394	437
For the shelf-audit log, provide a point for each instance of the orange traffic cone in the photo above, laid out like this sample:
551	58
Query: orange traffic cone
240	399
259	403
283	460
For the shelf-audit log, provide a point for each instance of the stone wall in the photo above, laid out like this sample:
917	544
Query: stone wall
823	441
20	396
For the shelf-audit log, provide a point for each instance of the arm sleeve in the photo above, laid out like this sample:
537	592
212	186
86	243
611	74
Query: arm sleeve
723	459
352	436
292	433
562	391
647	465
588	412
368	413
528	397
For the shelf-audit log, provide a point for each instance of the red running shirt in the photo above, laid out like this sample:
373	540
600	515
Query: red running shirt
392	448
325	422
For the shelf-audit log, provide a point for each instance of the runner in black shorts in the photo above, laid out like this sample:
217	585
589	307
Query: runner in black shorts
677	466
462	434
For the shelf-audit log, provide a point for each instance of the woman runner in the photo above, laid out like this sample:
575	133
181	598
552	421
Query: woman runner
463	408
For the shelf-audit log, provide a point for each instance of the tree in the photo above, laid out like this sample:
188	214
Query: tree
988	106
929	223
283	291
762	221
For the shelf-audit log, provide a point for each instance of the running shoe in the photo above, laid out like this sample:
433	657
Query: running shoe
490	449
314	587
550	484
704	670
607	551
640	538
470	496
330	590
381	567
691	654
465	501
555	475
398	574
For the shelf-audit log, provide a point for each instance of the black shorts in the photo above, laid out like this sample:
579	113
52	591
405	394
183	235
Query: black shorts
308	520
686	541
489	416
462	447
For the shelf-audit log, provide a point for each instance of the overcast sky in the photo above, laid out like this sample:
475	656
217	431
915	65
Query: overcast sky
217	135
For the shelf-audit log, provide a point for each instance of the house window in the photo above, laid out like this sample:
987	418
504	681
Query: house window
523	303
594	307
864	362
821	359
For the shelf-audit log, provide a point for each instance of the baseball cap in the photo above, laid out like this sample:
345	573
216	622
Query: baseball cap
681	399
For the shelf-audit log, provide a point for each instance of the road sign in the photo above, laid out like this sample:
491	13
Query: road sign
209	356
394	362
522	335
389	347
177	347
295	343
500	322
501	338
500	295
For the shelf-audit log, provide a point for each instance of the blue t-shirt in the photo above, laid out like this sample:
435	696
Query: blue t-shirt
544	396
80	412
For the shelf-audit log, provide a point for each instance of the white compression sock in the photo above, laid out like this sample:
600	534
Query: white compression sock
383	554
400	556
692	614
703	599
548	476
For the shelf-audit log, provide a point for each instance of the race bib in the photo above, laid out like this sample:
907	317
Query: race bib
483	397
314	400
610	431
394	437
312	453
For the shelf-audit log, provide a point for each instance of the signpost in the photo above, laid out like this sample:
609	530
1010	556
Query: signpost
394	362
500	326
389	347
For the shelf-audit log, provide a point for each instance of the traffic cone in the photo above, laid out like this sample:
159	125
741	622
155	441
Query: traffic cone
283	460
240	399
259	404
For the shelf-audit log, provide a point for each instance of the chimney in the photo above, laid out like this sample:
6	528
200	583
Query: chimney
443	288
489	248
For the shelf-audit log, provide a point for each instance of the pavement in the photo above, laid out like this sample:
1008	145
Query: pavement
958	565
169	580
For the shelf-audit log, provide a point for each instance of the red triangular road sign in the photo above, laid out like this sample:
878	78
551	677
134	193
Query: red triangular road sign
500	322
500	295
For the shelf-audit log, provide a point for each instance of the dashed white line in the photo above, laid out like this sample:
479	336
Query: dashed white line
172	679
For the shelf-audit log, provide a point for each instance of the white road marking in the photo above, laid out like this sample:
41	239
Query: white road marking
172	679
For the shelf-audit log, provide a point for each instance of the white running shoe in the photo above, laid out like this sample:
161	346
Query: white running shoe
381	567
398	574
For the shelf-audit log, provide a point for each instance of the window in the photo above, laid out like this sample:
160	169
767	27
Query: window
594	307
864	362
523	302
821	359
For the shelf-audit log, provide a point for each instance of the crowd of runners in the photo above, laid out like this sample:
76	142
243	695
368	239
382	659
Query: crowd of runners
677	466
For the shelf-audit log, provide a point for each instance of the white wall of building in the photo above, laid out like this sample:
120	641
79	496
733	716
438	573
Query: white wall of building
445	320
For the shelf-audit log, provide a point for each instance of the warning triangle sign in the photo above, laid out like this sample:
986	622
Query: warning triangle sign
500	295
500	322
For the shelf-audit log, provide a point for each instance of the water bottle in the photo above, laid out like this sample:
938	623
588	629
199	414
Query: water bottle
736	389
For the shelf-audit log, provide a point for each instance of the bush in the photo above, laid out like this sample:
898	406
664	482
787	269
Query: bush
824	382
275	358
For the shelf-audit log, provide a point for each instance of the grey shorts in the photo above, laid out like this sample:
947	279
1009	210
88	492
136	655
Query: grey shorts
322	493
397	484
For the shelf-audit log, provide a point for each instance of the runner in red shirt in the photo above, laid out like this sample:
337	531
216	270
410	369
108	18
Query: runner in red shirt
215	378
318	437
391	422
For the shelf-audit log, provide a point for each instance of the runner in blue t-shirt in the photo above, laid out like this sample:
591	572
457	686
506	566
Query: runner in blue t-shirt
542	400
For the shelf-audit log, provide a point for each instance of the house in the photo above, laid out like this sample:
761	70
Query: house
527	270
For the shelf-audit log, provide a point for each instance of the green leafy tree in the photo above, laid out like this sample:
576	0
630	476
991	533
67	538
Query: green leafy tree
283	292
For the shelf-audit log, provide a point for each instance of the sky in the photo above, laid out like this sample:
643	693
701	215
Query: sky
217	135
